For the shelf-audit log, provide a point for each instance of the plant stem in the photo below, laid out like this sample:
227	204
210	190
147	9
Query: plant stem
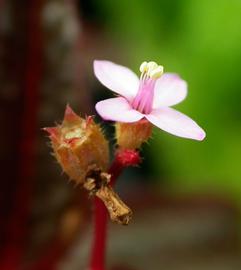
123	159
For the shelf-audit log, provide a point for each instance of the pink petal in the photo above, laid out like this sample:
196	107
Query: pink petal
117	109
170	89
176	123
118	78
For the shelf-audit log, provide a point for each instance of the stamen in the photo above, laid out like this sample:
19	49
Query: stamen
157	72
150	72
150	69
151	66
144	67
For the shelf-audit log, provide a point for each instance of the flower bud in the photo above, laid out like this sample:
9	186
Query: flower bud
78	145
132	135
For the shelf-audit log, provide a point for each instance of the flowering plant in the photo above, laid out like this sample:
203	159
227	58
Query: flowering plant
82	150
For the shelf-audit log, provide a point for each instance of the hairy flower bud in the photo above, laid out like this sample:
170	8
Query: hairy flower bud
79	144
132	135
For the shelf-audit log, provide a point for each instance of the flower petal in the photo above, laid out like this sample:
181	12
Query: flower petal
117	109
118	78
170	89
176	123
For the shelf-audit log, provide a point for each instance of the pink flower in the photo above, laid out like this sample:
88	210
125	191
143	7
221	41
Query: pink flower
148	97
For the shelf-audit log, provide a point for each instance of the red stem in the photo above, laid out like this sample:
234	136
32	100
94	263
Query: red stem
100	232
123	159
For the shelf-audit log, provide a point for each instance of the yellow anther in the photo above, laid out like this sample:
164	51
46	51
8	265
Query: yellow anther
157	72
151	66
144	67
151	69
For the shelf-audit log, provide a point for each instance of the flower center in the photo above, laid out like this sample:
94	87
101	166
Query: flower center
150	72
74	133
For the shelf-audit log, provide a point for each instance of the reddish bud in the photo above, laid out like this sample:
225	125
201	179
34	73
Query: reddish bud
128	157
